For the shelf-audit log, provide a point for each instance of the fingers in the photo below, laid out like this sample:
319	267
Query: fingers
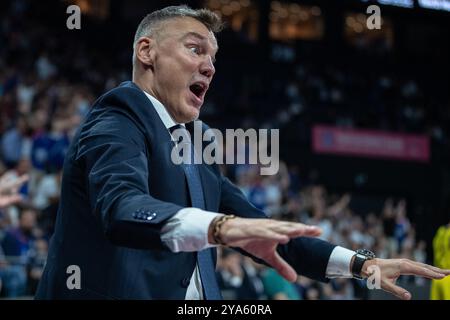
307	231
413	268
282	231
258	233
271	235
235	231
282	267
293	230
399	292
445	272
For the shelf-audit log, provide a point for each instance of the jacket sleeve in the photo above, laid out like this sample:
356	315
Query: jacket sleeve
308	256
113	155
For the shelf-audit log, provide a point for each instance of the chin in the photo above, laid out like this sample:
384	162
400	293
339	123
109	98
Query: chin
195	115
191	118
191	114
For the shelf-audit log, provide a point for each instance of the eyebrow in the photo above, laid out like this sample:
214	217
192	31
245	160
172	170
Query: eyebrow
193	34
199	37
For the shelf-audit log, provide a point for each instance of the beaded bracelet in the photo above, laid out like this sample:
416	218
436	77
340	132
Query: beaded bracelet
217	225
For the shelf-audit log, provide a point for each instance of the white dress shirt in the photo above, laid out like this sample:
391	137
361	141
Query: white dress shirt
187	230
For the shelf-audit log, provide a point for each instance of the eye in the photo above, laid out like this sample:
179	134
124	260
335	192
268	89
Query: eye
195	49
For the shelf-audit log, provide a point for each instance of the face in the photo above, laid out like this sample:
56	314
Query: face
28	220
182	59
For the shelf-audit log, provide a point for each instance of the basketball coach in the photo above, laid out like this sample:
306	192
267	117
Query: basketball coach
138	226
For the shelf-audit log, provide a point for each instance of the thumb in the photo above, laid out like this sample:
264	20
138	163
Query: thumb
282	267
399	292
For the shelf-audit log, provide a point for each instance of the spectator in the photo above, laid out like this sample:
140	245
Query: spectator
14	143
278	288
16	246
239	277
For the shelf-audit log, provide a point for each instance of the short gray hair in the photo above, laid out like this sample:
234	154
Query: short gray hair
149	25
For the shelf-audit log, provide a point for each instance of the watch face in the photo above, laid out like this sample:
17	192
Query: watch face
367	253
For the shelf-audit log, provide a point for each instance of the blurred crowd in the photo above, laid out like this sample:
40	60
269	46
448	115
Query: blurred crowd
39	111
47	86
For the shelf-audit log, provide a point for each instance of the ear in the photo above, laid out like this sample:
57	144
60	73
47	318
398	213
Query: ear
145	51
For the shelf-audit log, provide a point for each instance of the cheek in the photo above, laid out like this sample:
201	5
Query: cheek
174	73
174	79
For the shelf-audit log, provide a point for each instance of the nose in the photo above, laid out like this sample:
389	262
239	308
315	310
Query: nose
207	68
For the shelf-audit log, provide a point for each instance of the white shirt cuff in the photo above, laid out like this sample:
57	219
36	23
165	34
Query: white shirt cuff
339	263
187	230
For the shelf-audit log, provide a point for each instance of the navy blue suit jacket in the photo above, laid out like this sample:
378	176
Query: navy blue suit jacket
119	188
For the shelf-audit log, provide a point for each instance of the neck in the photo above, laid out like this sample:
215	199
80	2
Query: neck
142	84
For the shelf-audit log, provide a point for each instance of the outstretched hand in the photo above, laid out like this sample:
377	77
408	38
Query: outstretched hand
391	269
260	237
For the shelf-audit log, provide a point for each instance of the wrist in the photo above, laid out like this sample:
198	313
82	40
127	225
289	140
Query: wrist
366	270
360	263
218	228
211	239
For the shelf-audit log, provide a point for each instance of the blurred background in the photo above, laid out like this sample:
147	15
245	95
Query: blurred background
364	119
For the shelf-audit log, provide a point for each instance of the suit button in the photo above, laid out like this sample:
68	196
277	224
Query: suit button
151	216
185	282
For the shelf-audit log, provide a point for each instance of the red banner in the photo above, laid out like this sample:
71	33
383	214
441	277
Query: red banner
370	143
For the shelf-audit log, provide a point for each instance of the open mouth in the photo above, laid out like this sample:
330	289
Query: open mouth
198	89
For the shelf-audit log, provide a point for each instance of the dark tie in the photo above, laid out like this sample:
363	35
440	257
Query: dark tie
205	260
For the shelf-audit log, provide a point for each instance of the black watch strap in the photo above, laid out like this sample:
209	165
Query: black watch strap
361	256
358	263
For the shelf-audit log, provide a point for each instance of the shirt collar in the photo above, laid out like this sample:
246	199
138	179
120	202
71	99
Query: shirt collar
165	116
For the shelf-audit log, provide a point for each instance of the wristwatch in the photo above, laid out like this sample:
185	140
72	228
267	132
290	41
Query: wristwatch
361	256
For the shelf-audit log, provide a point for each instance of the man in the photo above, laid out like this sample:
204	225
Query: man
140	227
12	277
16	246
